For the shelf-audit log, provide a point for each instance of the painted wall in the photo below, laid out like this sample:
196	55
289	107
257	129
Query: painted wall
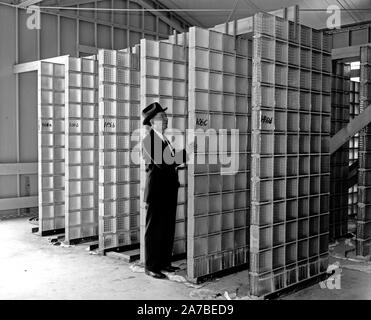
66	32
8	129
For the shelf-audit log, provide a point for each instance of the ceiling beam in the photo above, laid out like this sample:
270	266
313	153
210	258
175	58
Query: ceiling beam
69	3
189	19
26	67
145	4
355	125
246	25
241	26
18	203
161	15
18	168
27	3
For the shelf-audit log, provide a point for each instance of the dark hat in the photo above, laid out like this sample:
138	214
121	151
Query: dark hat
150	111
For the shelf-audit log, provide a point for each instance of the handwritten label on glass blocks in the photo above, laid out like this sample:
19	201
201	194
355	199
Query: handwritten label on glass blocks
108	125
266	120
47	124
74	124
202	121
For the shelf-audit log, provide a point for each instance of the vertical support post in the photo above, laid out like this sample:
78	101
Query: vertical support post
157	23
77	32
112	27
127	24
38	35
285	13
95	25
58	35
296	20
143	19
17	98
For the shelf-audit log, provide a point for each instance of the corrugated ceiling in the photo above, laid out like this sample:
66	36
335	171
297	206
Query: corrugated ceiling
354	11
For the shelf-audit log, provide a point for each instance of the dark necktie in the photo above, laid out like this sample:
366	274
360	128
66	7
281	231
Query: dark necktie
170	146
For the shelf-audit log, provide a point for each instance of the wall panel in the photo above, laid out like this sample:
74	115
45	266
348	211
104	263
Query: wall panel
163	28
149	21
87	13
104	37
49	39
28	117
8	186
290	174
51	139
358	37
135	17
120	39
120	17
86	33
81	150
119	116
27	39
339	39
218	197
104	15
8	107
28	185
68	36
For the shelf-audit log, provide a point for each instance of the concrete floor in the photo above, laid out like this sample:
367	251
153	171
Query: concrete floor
31	268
